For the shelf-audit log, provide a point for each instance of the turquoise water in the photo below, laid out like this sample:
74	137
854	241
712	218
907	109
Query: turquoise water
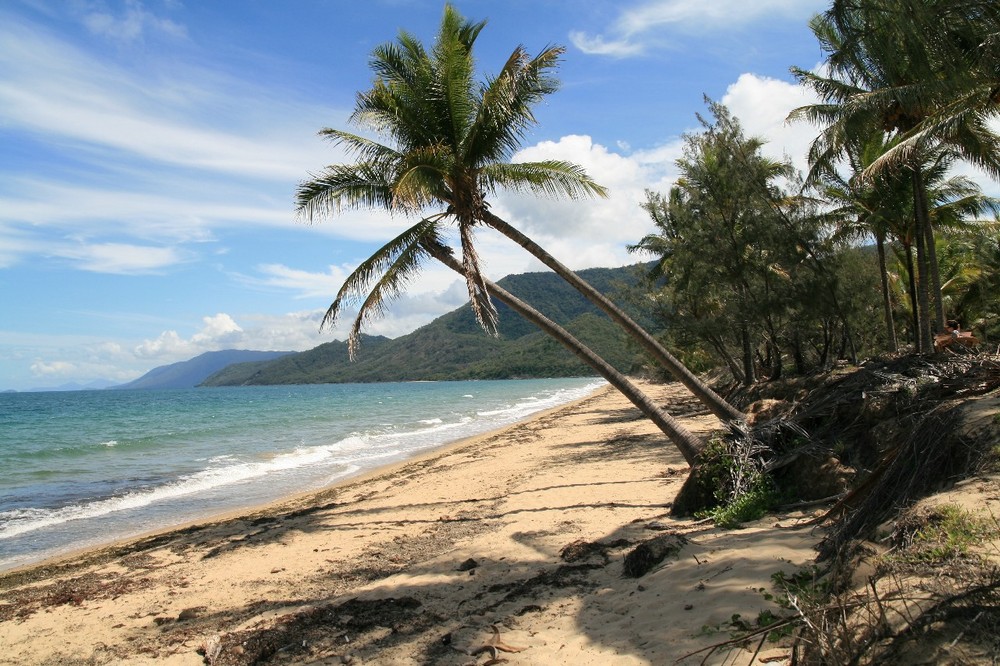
82	468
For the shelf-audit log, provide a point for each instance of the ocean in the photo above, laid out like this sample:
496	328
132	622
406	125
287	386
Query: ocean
84	468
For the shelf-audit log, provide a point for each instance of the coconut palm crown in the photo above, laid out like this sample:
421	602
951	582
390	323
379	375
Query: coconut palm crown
444	145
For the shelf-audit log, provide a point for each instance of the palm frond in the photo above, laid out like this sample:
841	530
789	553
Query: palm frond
365	149
552	178
342	186
381	278
505	112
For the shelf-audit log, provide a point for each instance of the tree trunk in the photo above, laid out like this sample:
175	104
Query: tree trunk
749	376
934	275
852	350
776	364
797	356
824	355
685	441
714	402
925	337
720	349
890	327
911	271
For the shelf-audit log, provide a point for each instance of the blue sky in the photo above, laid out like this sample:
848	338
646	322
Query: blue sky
150	151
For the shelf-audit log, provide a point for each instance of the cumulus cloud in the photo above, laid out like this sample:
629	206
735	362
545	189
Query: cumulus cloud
762	104
588	232
220	331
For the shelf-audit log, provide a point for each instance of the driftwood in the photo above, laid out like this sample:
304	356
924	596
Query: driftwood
649	553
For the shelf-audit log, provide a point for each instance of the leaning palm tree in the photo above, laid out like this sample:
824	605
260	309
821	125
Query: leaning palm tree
450	141
381	278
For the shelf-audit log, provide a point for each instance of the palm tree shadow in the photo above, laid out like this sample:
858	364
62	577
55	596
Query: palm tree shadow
441	608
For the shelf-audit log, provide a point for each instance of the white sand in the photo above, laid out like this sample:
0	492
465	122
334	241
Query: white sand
512	500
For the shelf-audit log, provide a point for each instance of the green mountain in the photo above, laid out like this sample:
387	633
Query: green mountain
454	347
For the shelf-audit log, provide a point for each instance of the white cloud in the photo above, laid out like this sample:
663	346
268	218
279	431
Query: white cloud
131	24
53	369
181	212
598	45
588	232
646	24
193	120
430	294
303	284
164	158
220	329
762	104
119	258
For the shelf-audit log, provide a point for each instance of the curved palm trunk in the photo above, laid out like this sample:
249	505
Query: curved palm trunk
685	441
713	401
890	327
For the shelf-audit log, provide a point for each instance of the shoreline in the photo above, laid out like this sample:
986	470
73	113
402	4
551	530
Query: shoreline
420	561
84	551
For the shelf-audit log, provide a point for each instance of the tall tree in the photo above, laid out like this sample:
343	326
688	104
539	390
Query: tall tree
451	140
863	207
907	68
764	248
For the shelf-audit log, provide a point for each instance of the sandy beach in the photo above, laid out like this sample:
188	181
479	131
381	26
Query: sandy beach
504	548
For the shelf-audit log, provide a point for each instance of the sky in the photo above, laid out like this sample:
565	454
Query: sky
150	151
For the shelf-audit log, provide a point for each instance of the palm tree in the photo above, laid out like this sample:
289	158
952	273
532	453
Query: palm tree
907	68
977	298
451	141
866	207
954	51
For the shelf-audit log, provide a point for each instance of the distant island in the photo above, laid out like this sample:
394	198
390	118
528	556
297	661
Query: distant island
191	373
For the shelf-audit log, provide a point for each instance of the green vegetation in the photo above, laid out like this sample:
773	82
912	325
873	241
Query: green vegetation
740	491
803	587
791	285
946	532
776	289
749	506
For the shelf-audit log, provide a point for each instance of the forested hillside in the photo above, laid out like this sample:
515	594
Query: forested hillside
454	347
